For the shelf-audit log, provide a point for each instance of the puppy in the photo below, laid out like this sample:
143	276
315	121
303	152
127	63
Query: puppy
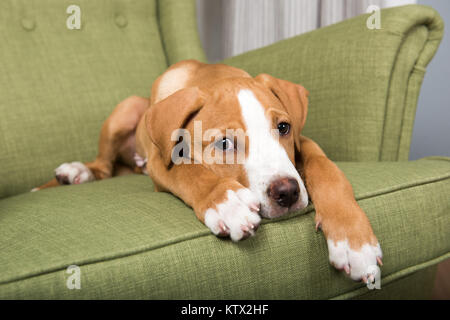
230	146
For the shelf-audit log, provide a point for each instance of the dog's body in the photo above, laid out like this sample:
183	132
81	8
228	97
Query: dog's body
144	136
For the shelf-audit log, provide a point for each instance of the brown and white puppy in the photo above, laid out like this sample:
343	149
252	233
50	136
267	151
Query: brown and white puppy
154	136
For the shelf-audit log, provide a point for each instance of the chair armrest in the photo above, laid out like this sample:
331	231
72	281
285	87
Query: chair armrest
363	83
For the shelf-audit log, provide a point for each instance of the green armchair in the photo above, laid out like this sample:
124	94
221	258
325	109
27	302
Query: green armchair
58	85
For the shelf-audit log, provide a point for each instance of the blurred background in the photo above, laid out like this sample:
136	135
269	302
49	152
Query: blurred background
231	27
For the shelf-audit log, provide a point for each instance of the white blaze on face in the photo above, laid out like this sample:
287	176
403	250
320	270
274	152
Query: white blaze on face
267	160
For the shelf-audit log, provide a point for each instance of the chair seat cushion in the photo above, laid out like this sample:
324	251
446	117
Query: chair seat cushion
132	242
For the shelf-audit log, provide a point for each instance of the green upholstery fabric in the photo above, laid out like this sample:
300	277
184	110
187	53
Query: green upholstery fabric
57	85
363	83
132	242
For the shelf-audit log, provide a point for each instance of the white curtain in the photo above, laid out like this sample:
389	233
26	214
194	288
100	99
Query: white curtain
231	27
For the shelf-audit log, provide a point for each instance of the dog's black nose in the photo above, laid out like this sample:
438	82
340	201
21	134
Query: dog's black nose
284	191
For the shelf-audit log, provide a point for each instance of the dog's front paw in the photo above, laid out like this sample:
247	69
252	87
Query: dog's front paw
237	216
73	173
358	263
352	245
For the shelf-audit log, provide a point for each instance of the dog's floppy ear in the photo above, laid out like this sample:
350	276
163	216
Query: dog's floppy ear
171	114
294	98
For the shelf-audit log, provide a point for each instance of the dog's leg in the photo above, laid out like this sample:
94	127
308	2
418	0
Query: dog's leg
117	137
117	142
224	205
352	244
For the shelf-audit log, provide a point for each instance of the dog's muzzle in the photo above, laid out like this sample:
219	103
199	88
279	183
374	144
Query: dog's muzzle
284	192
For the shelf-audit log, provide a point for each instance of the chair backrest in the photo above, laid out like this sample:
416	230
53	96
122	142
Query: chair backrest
59	83
363	83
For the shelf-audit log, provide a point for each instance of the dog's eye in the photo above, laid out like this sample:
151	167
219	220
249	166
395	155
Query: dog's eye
224	144
284	128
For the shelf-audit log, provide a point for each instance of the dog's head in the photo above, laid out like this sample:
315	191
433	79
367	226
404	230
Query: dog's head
247	129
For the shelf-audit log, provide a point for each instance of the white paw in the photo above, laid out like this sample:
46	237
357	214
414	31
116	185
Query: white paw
358	264
141	163
237	216
73	173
